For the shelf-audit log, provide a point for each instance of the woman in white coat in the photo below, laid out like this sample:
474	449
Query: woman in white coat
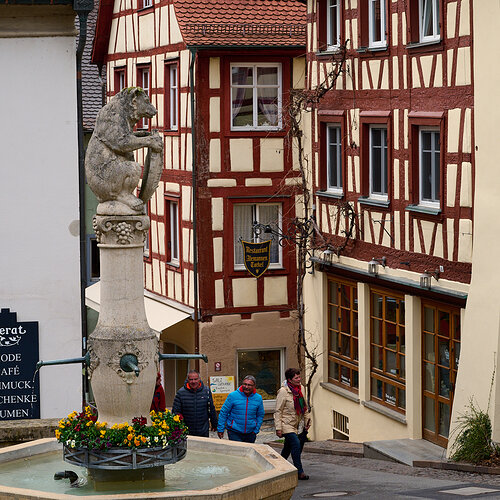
292	412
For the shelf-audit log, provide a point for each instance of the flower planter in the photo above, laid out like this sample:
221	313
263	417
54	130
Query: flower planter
125	458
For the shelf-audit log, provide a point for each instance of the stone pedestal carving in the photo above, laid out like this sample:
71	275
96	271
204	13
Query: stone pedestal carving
122	330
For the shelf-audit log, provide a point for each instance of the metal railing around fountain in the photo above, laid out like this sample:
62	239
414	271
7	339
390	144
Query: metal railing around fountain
124	458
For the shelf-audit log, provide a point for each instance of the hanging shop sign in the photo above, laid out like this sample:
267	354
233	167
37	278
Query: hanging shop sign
257	257
19	393
221	386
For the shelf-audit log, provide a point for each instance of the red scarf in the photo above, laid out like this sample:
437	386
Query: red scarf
298	399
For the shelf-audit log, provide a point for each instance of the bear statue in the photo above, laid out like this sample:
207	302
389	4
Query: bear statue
112	173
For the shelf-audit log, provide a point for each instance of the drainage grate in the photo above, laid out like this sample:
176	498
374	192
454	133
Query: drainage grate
340	424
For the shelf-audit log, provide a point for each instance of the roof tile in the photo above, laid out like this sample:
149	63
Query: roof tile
280	23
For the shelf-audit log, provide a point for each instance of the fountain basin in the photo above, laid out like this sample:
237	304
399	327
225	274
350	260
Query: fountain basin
270	475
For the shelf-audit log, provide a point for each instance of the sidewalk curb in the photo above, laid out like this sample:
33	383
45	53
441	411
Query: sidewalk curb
457	466
310	448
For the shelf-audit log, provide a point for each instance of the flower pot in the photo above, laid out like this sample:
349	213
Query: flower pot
125	458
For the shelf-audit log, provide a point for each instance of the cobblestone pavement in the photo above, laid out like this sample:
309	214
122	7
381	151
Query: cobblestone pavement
333	476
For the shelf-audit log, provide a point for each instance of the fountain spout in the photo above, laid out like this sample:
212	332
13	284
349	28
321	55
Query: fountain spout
183	356
84	359
129	363
74	480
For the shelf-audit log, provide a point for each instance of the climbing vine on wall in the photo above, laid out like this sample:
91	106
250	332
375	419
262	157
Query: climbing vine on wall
305	232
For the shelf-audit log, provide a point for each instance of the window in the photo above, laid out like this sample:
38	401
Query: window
171	96
143	80
428	15
172	232
378	162
266	366
93	261
144	4
376	23
387	339
429	171
244	216
334	158
333	24
343	334
256	97
120	79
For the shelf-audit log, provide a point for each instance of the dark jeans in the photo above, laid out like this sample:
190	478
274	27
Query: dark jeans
294	446
248	437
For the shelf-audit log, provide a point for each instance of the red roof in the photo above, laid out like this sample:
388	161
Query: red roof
242	23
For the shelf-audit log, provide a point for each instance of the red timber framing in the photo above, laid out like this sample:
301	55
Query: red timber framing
275	193
164	276
409	85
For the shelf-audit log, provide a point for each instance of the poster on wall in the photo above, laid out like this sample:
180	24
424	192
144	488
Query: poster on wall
221	386
19	393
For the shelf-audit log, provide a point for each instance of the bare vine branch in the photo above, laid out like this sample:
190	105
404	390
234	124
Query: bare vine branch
302	101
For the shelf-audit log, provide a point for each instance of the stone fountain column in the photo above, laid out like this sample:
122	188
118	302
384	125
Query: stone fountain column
122	332
123	349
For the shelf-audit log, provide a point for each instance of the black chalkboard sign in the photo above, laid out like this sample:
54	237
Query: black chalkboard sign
19	394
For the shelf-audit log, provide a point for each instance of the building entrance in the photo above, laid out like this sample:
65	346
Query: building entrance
440	355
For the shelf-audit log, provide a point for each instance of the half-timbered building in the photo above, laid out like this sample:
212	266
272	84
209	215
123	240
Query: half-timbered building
393	178
220	75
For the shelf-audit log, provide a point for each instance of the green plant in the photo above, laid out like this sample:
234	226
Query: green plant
83	430
473	443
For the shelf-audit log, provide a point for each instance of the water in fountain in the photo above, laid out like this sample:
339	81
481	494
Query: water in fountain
198	471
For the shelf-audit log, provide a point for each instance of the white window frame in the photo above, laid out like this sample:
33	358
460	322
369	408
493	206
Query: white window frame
434	6
435	169
121	80
256	239
174	232
384	171
147	3
372	43
146	86
254	86
333	9
174	97
269	404
334	185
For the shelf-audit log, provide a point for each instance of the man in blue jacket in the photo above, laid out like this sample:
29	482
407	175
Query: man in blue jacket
242	413
194	402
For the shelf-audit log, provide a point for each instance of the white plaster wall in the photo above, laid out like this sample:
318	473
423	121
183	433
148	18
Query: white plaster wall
481	324
39	268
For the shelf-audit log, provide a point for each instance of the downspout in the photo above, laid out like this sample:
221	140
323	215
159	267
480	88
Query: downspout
193	195
83	9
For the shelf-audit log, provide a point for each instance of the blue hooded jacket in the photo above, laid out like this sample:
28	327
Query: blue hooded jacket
241	413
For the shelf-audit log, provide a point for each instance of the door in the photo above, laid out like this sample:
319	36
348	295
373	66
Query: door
440	354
